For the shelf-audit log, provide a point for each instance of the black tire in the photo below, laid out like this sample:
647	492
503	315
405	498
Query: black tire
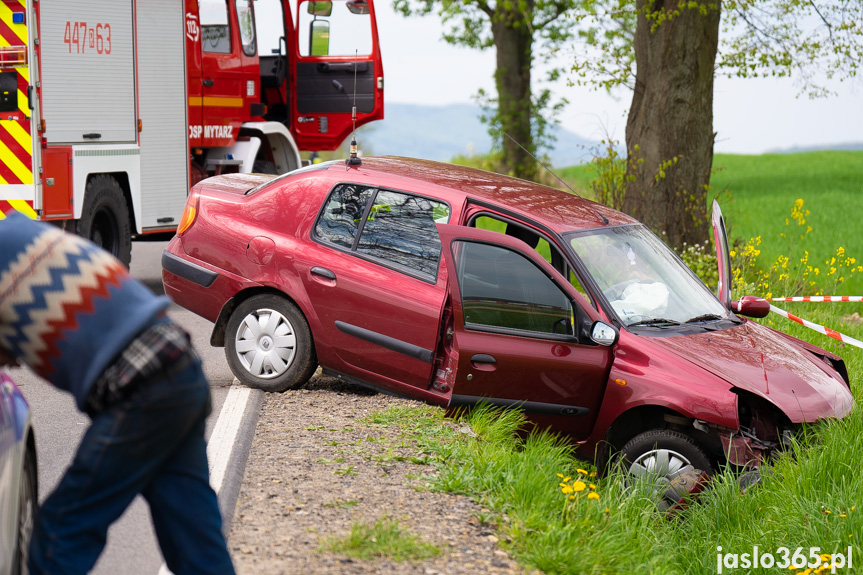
28	502
646	454
105	218
262	360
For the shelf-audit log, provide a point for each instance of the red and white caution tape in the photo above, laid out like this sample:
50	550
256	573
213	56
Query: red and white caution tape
819	298
819	328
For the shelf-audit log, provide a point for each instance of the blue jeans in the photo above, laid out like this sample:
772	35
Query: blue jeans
151	443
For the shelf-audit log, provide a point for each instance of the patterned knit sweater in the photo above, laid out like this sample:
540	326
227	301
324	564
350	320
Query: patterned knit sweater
67	307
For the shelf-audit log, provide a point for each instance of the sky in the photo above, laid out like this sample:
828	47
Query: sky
750	116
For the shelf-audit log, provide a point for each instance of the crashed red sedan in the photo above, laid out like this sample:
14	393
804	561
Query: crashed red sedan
457	286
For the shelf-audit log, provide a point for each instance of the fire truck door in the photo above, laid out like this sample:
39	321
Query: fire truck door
336	65
222	84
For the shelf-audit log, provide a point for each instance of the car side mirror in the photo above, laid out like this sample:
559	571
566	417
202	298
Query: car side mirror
603	334
751	306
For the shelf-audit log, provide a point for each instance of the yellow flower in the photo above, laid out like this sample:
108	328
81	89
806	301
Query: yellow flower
592	486
579	486
560	475
582	471
593	495
566	489
592	474
571	497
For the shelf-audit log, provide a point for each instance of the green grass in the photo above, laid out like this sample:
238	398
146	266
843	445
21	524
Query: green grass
386	539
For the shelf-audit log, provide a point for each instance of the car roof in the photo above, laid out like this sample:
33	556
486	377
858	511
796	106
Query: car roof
560	211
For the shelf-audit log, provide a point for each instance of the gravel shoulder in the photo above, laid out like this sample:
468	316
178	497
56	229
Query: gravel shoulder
316	467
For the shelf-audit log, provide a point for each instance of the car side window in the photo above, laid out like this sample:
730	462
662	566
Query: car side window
537	242
400	228
340	221
500	288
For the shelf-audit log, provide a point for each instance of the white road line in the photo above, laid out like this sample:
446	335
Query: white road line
220	447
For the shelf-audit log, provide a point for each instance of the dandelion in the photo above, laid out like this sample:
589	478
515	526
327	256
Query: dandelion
566	489
582	471
579	486
592	486
593	495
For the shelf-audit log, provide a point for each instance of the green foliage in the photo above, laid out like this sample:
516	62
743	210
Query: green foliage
758	38
386	539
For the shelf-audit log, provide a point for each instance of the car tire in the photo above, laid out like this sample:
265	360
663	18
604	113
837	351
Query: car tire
105	218
269	345
662	454
28	502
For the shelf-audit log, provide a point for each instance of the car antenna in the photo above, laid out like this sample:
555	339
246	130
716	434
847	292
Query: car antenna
353	159
559	179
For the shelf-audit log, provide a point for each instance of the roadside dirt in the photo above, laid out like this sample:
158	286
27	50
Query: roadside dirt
313	472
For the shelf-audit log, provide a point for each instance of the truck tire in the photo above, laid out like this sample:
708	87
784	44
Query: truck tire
105	218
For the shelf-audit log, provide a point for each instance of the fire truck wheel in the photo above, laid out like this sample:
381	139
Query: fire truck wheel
105	217
264	167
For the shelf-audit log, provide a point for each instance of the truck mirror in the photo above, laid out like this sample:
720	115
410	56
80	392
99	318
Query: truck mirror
320	7
319	38
360	7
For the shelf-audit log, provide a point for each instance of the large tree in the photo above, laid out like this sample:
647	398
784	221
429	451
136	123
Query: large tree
513	28
668	52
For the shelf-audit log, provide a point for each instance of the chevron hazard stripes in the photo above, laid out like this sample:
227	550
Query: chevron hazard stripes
16	142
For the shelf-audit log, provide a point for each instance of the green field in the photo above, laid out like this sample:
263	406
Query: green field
757	193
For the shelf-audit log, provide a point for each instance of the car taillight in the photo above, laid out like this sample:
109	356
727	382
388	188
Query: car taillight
190	213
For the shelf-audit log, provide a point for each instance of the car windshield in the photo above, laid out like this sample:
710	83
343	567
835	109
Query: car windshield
642	279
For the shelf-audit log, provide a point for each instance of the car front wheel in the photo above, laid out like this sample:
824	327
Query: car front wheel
660	456
269	345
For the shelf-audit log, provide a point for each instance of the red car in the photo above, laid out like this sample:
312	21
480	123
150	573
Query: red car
457	286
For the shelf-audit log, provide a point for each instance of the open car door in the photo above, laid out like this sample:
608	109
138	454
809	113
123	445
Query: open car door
521	333
723	257
336	66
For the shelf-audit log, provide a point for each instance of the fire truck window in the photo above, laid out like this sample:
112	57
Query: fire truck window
215	27
350	29
246	21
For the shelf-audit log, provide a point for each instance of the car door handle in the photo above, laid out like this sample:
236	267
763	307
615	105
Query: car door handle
208	83
323	272
483	358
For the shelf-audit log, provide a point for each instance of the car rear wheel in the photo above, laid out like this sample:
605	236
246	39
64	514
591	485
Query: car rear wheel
26	514
269	345
660	456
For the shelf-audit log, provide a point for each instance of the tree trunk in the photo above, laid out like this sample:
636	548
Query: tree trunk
669	132
513	43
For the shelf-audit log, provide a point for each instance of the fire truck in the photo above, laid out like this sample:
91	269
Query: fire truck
111	110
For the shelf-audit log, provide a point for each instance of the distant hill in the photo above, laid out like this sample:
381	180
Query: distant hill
847	147
441	132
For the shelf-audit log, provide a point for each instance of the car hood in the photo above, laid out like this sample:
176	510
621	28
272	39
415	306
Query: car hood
757	359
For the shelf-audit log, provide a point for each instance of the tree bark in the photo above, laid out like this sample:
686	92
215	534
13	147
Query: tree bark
670	126
513	41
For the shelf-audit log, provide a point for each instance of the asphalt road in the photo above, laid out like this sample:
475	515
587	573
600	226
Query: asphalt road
59	426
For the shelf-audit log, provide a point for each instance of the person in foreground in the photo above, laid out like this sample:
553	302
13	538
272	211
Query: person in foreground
73	314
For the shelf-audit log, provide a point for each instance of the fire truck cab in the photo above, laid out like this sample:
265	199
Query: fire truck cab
110	111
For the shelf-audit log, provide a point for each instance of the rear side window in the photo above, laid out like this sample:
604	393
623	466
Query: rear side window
395	228
340	221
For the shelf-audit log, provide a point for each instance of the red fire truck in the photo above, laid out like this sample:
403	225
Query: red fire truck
110	111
